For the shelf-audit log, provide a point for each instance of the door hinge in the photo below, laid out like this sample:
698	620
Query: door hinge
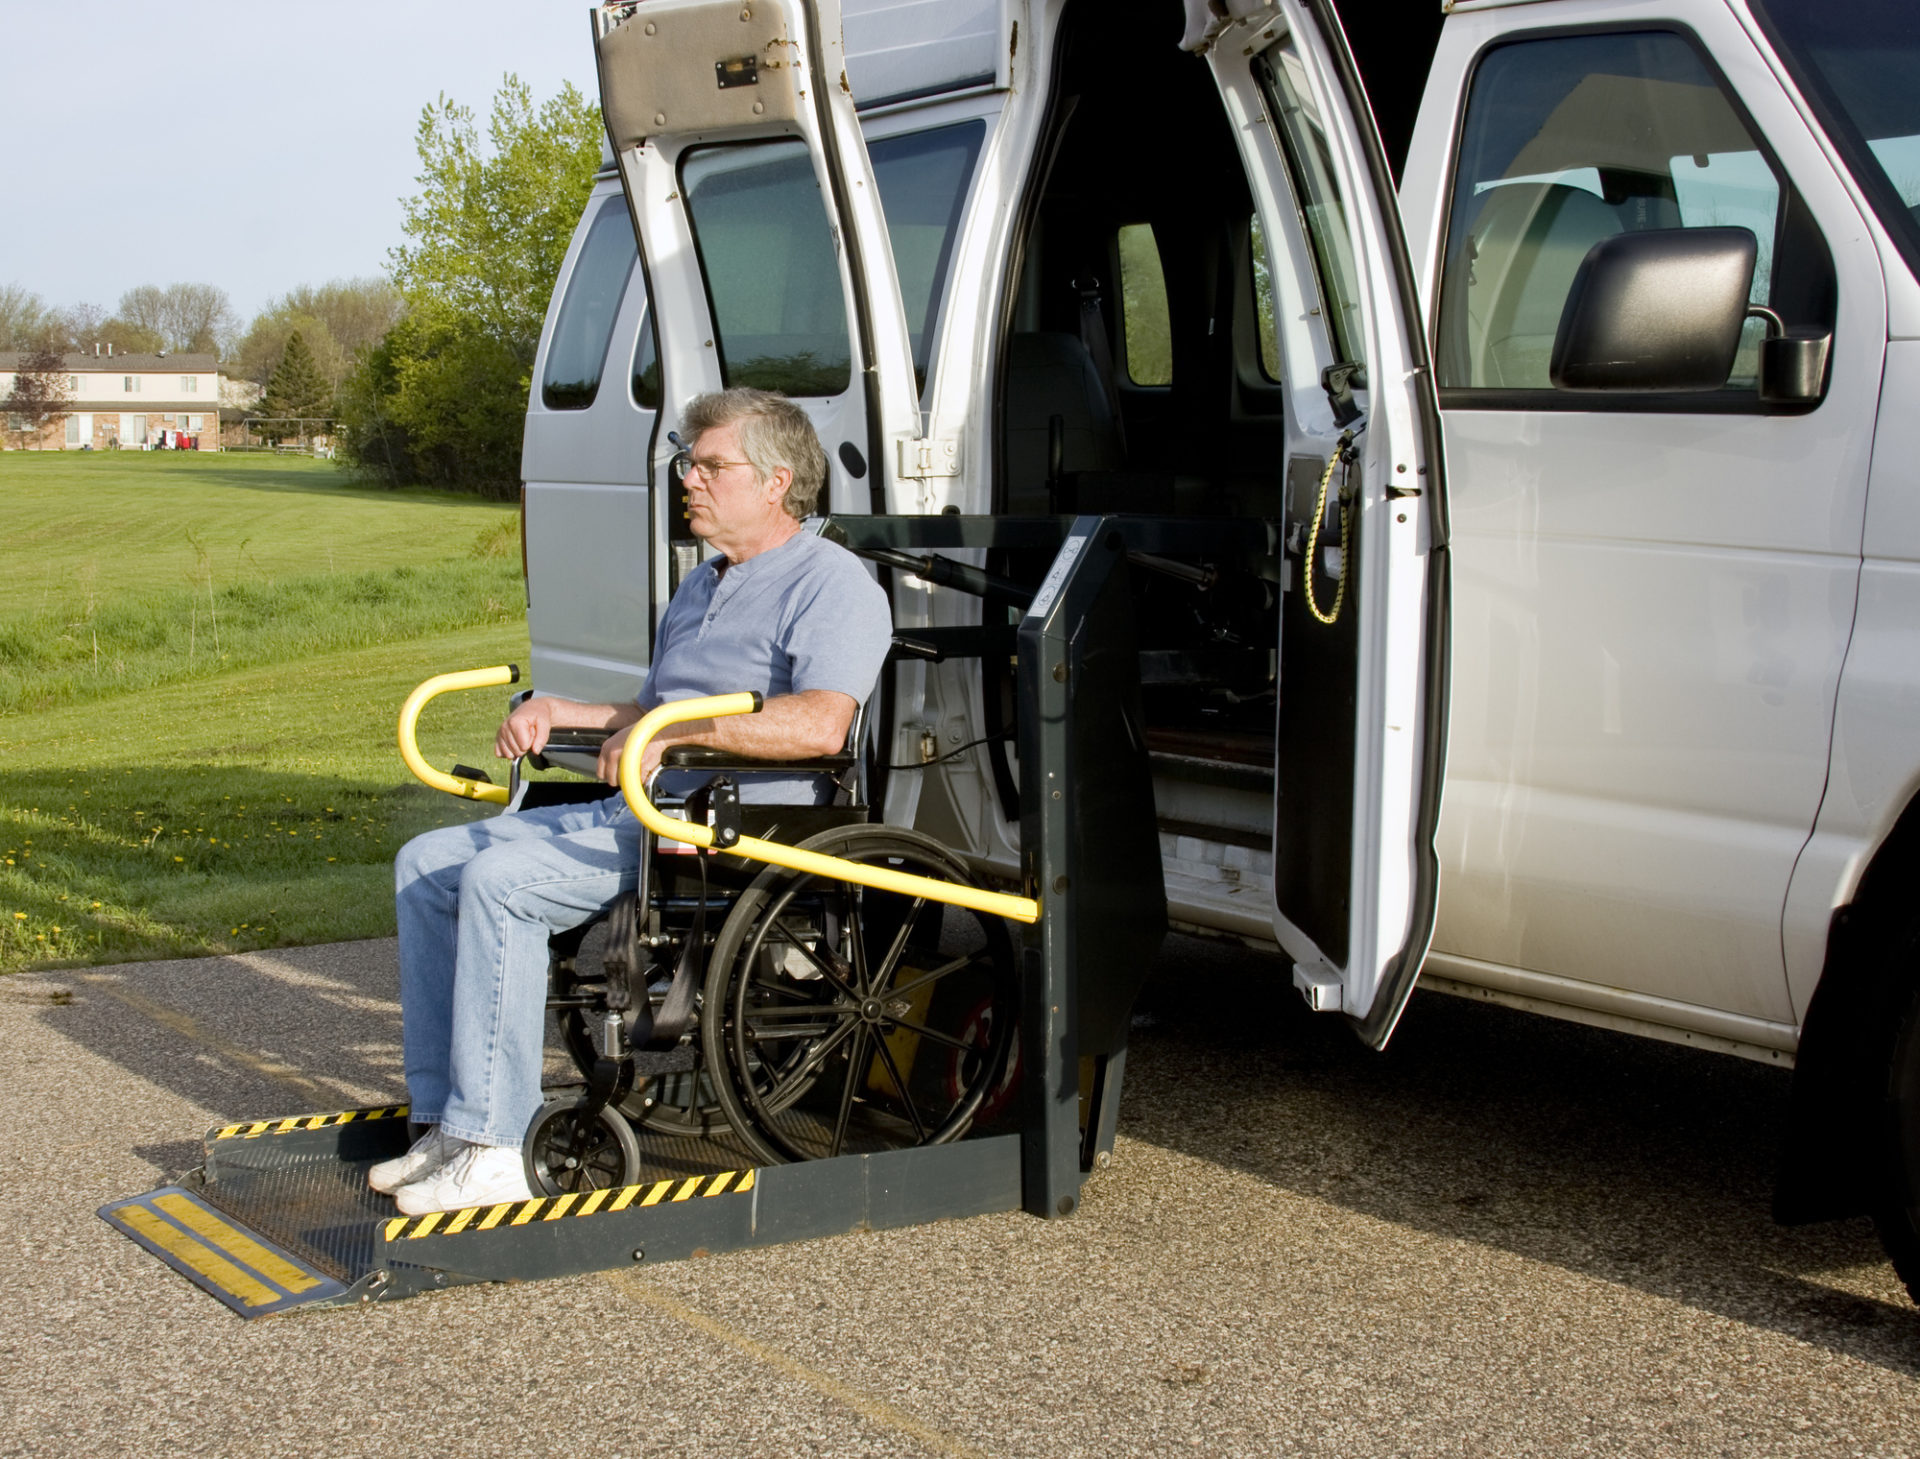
930	457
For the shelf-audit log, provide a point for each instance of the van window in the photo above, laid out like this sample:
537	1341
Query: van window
1569	140
1856	60
1143	307
578	351
646	367
1323	214
923	179
768	255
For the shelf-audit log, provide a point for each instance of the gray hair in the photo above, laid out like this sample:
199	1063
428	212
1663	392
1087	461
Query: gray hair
774	432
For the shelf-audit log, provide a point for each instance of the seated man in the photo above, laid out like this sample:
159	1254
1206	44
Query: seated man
779	610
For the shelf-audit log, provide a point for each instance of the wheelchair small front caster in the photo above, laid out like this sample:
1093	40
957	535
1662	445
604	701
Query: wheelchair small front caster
568	1151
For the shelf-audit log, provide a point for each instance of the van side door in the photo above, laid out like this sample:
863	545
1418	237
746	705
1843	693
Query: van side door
1362	666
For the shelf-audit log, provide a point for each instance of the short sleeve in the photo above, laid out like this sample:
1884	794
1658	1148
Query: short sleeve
841	628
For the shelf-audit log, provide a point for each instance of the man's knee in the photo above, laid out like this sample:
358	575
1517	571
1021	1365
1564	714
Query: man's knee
430	853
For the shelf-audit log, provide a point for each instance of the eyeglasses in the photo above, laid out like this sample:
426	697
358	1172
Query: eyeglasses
707	468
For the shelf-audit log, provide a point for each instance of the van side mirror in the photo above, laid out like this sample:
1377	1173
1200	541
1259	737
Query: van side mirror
1659	310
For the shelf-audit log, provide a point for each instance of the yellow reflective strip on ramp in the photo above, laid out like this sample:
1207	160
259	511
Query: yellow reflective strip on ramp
258	1127
746	1183
658	1193
229	1132
625	1198
459	1223
719	1184
395	1227
427	1223
235	1242
286	1125
593	1202
688	1188
203	1259
560	1205
527	1211
493	1216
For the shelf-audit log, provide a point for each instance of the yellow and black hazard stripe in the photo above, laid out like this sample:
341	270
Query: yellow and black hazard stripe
554	1208
249	1129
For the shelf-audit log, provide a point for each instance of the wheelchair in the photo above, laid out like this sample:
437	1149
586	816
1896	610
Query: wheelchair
784	1014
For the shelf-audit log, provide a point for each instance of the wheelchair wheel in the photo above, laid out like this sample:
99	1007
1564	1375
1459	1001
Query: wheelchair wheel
841	1019
569	1153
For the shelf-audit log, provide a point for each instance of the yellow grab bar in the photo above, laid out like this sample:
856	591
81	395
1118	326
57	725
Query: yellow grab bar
995	904
440	684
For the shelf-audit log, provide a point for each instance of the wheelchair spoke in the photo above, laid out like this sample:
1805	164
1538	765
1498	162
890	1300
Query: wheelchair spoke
856	1071
857	940
892	959
933	975
893	1073
826	968
816	1056
936	1036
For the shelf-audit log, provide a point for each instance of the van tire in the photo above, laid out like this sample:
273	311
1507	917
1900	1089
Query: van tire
1896	1181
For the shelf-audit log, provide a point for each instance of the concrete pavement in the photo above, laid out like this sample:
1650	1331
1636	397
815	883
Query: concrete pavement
1503	1236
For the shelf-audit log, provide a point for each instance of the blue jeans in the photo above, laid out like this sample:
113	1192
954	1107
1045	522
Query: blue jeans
476	904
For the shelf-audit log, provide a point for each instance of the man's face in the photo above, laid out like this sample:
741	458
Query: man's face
727	505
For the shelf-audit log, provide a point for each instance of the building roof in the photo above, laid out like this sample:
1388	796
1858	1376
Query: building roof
118	364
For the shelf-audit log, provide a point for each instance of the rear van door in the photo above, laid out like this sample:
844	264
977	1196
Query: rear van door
761	235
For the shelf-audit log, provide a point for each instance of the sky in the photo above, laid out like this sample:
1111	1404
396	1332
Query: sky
255	146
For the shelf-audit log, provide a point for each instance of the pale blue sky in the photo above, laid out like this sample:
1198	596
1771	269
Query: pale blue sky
255	146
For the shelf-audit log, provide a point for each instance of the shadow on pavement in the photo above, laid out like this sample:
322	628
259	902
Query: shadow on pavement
1642	1163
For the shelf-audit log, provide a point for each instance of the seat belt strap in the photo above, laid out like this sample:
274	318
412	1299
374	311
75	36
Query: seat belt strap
1093	334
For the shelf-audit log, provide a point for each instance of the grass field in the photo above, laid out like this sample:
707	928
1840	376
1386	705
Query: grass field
201	661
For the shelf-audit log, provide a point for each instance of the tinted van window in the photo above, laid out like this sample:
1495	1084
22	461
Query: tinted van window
578	352
923	180
768	255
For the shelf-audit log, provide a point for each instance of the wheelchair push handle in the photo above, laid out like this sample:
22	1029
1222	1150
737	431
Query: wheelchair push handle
995	904
465	783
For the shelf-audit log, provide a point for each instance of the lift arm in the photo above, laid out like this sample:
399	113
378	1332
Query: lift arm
994	904
467	783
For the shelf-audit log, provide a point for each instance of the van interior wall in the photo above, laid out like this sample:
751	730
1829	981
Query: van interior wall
1146	140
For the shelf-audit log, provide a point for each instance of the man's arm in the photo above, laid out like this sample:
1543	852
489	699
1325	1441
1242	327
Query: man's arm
800	726
526	729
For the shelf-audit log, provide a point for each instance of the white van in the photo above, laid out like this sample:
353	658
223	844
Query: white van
1657	627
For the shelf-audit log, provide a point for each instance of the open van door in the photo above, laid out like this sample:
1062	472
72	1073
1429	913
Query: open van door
761	236
1360	739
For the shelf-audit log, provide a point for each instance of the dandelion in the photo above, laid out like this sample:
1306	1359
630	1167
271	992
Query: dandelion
179	858
19	916
96	906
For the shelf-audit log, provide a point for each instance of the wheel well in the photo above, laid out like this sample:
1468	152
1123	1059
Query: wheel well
1829	1158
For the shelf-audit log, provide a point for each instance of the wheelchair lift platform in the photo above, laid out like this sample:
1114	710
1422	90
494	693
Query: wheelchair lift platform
280	1215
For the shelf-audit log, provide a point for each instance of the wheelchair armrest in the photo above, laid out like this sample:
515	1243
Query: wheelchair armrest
705	757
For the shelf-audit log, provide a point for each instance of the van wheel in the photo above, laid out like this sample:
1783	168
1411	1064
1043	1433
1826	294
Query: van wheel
1896	1213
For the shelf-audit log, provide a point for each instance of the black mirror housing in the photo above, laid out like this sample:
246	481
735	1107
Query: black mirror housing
1658	311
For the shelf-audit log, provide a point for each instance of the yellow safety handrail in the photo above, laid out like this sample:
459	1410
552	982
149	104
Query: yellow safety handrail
440	684
995	904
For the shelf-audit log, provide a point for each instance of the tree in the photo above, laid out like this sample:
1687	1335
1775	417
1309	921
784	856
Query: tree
23	318
297	390
444	398
185	318
339	320
39	396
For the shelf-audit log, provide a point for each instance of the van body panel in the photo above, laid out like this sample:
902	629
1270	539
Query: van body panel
1659	607
914	48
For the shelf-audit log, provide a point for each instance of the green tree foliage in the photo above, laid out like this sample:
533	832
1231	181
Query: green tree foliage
185	318
338	320
24	318
442	398
297	390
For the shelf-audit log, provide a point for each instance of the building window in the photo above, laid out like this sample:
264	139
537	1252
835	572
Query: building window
130	384
73	430
73	382
190	384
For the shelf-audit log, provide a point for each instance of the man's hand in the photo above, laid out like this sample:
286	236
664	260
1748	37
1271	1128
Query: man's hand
525	730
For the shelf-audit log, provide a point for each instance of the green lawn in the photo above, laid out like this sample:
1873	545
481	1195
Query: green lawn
202	798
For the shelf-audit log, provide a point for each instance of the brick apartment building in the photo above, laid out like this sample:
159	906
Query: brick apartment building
127	400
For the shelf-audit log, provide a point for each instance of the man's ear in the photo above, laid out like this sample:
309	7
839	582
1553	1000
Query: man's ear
782	478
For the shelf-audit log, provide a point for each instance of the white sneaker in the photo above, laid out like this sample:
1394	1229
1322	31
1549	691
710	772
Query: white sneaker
478	1175
428	1153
